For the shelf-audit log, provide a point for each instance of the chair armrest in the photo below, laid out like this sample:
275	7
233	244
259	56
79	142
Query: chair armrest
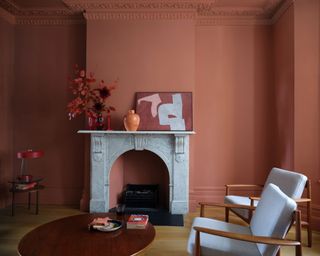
302	200
240	206
248	238
250	186
243	186
257	198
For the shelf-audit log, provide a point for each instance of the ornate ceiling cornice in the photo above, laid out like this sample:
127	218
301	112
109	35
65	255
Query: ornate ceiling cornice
42	16
7	16
155	15
204	12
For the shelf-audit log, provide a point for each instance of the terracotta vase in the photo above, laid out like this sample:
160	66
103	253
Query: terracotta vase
131	121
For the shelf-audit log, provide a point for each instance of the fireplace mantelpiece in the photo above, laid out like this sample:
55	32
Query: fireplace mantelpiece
171	146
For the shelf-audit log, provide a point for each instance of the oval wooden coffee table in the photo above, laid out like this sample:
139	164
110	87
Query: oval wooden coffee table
70	236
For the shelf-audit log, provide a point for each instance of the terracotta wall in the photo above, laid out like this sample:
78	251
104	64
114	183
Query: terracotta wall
6	85
283	109
232	110
44	58
307	95
297	80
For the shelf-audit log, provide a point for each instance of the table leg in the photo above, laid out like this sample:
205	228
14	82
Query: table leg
37	202
29	199
12	209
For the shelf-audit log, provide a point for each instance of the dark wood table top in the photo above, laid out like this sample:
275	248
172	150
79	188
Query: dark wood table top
70	236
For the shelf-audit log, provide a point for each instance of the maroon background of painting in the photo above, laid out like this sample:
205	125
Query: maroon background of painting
150	123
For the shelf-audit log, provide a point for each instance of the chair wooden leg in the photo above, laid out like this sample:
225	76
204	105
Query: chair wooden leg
278	253
298	233
309	214
309	236
227	214
197	245
202	210
308	225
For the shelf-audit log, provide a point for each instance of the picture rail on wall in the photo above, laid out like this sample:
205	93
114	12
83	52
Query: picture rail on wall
164	111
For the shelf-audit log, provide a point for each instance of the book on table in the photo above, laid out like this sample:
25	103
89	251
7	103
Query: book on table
137	221
25	186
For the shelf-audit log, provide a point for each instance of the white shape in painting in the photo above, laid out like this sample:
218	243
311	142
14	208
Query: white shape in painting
155	101
174	108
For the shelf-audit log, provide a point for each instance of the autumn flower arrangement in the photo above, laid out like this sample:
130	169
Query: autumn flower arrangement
89	98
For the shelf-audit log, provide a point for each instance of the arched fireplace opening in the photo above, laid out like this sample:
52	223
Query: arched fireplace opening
139	179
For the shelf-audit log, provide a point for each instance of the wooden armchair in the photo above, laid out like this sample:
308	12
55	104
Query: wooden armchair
264	236
291	183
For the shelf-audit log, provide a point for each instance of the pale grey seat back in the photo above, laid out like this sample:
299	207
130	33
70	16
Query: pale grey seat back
272	217
291	183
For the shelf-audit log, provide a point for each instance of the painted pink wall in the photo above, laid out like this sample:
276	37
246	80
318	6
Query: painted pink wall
44	58
297	80
145	56
232	108
307	95
283	43
6	85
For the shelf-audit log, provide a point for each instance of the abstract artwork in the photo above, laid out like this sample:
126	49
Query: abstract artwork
164	111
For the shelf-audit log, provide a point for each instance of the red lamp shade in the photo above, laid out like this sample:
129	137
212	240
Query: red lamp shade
30	154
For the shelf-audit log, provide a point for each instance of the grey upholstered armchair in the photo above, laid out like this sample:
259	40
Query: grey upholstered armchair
269	225
291	183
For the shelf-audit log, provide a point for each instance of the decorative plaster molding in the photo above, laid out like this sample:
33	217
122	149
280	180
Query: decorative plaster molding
282	9
225	21
42	16
7	16
154	15
204	12
123	5
200	10
45	20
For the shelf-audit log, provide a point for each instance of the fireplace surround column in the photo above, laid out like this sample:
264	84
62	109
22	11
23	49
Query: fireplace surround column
171	146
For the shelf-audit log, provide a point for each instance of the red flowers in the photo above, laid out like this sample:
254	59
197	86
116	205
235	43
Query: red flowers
89	100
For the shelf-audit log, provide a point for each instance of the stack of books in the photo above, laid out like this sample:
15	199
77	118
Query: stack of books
25	186
137	221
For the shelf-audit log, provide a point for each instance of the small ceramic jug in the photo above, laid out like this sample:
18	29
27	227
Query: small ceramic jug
131	121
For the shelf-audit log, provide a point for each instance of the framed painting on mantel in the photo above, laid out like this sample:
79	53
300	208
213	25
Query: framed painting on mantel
164	111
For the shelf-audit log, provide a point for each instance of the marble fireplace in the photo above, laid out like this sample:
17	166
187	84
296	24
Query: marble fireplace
171	146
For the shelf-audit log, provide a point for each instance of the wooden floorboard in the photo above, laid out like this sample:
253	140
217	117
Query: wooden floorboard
168	241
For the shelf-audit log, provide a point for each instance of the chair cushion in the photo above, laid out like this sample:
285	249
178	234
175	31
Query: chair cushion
272	216
239	200
215	245
291	183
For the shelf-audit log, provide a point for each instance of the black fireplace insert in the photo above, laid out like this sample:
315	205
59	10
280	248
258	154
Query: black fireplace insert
141	195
